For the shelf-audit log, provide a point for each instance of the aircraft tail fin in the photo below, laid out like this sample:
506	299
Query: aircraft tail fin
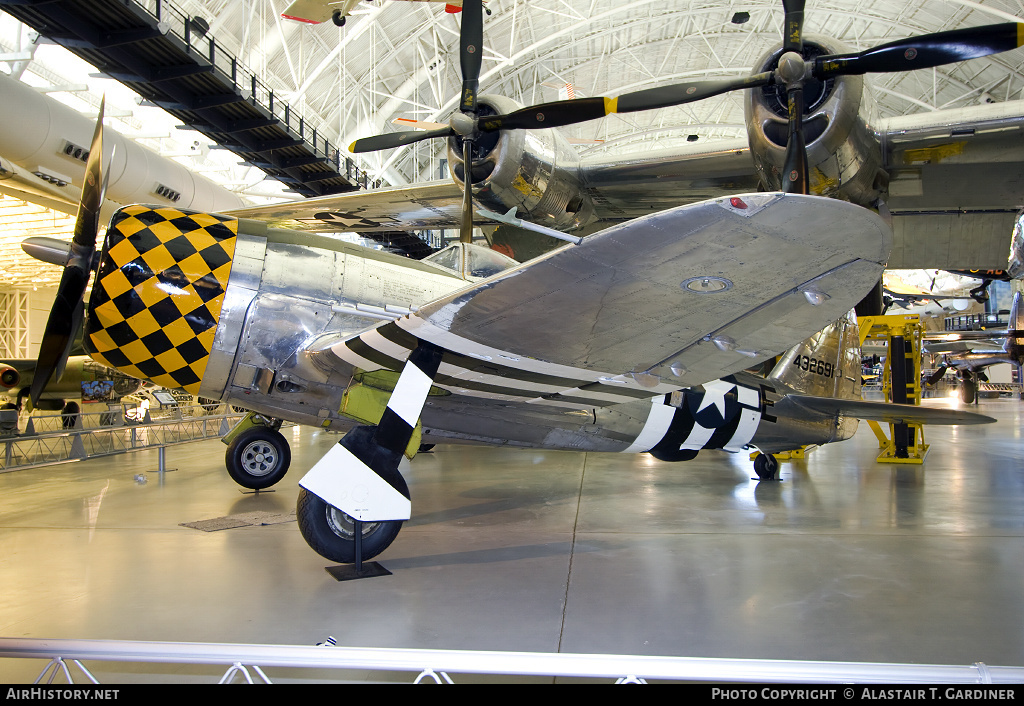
825	365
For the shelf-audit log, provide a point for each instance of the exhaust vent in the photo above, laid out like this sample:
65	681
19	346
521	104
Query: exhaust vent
166	192
70	149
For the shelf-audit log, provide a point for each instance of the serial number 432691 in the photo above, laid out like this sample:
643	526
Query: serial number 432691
813	365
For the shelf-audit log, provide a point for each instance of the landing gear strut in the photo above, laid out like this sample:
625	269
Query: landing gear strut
766	466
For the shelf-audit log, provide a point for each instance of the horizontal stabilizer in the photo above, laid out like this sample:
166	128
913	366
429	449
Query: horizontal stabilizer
888	412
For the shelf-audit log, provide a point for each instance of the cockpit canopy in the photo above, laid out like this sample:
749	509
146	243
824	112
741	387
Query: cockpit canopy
471	261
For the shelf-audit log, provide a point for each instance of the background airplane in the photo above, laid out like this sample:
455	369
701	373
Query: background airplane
971	364
941	175
317	11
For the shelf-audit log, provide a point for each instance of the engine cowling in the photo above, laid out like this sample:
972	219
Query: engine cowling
536	171
843	155
9	377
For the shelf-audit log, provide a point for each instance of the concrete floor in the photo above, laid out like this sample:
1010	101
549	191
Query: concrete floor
846	559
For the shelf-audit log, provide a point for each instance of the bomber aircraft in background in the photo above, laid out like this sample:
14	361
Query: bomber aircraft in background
602	344
944	176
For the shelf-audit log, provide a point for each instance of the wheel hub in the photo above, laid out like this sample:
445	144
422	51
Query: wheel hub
258	458
344	526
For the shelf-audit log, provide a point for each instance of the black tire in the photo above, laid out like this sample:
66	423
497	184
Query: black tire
337	18
329	531
70	413
258	458
207	403
766	466
968	391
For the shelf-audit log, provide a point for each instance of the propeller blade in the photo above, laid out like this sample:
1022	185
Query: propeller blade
937	375
466	232
578	110
792	32
68	310
924	51
681	93
471	49
396	139
554	114
794	169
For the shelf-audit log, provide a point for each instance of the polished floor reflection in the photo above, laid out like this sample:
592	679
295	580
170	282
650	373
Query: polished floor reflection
844	559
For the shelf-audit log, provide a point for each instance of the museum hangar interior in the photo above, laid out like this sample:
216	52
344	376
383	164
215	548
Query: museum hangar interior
717	545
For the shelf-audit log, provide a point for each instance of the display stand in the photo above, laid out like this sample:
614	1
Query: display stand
358	570
901	383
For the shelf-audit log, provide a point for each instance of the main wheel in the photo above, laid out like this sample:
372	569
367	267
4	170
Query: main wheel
331	533
766	466
968	391
337	18
258	458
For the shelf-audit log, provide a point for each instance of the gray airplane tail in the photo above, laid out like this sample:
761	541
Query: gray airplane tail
822	375
825	365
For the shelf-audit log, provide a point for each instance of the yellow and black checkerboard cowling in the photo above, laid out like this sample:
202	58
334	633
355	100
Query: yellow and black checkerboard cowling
157	298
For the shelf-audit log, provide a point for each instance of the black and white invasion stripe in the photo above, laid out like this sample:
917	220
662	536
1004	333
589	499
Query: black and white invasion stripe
360	475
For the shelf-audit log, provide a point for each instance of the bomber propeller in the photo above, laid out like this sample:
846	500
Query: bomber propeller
921	52
68	309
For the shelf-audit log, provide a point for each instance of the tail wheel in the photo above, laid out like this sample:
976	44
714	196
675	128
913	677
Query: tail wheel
258	458
331	533
766	466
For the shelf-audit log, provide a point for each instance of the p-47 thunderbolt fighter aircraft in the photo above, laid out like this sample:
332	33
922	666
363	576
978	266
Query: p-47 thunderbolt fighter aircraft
580	348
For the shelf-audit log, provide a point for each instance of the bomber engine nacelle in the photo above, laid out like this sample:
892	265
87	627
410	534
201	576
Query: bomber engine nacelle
9	377
843	155
536	171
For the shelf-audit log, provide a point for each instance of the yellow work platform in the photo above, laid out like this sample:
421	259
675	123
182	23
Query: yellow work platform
905	442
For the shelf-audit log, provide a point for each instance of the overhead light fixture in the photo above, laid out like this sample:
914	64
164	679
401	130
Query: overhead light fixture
740	18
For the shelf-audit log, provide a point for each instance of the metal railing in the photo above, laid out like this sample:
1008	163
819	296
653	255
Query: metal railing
184	27
59	438
438	664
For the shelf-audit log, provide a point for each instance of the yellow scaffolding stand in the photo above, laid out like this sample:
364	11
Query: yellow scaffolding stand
902	334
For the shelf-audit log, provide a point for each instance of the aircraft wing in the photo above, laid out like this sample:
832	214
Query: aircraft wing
888	412
636	185
667	301
431	206
316	11
956	179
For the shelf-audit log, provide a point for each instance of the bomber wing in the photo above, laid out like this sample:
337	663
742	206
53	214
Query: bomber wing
430	206
666	301
956	184
956	179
